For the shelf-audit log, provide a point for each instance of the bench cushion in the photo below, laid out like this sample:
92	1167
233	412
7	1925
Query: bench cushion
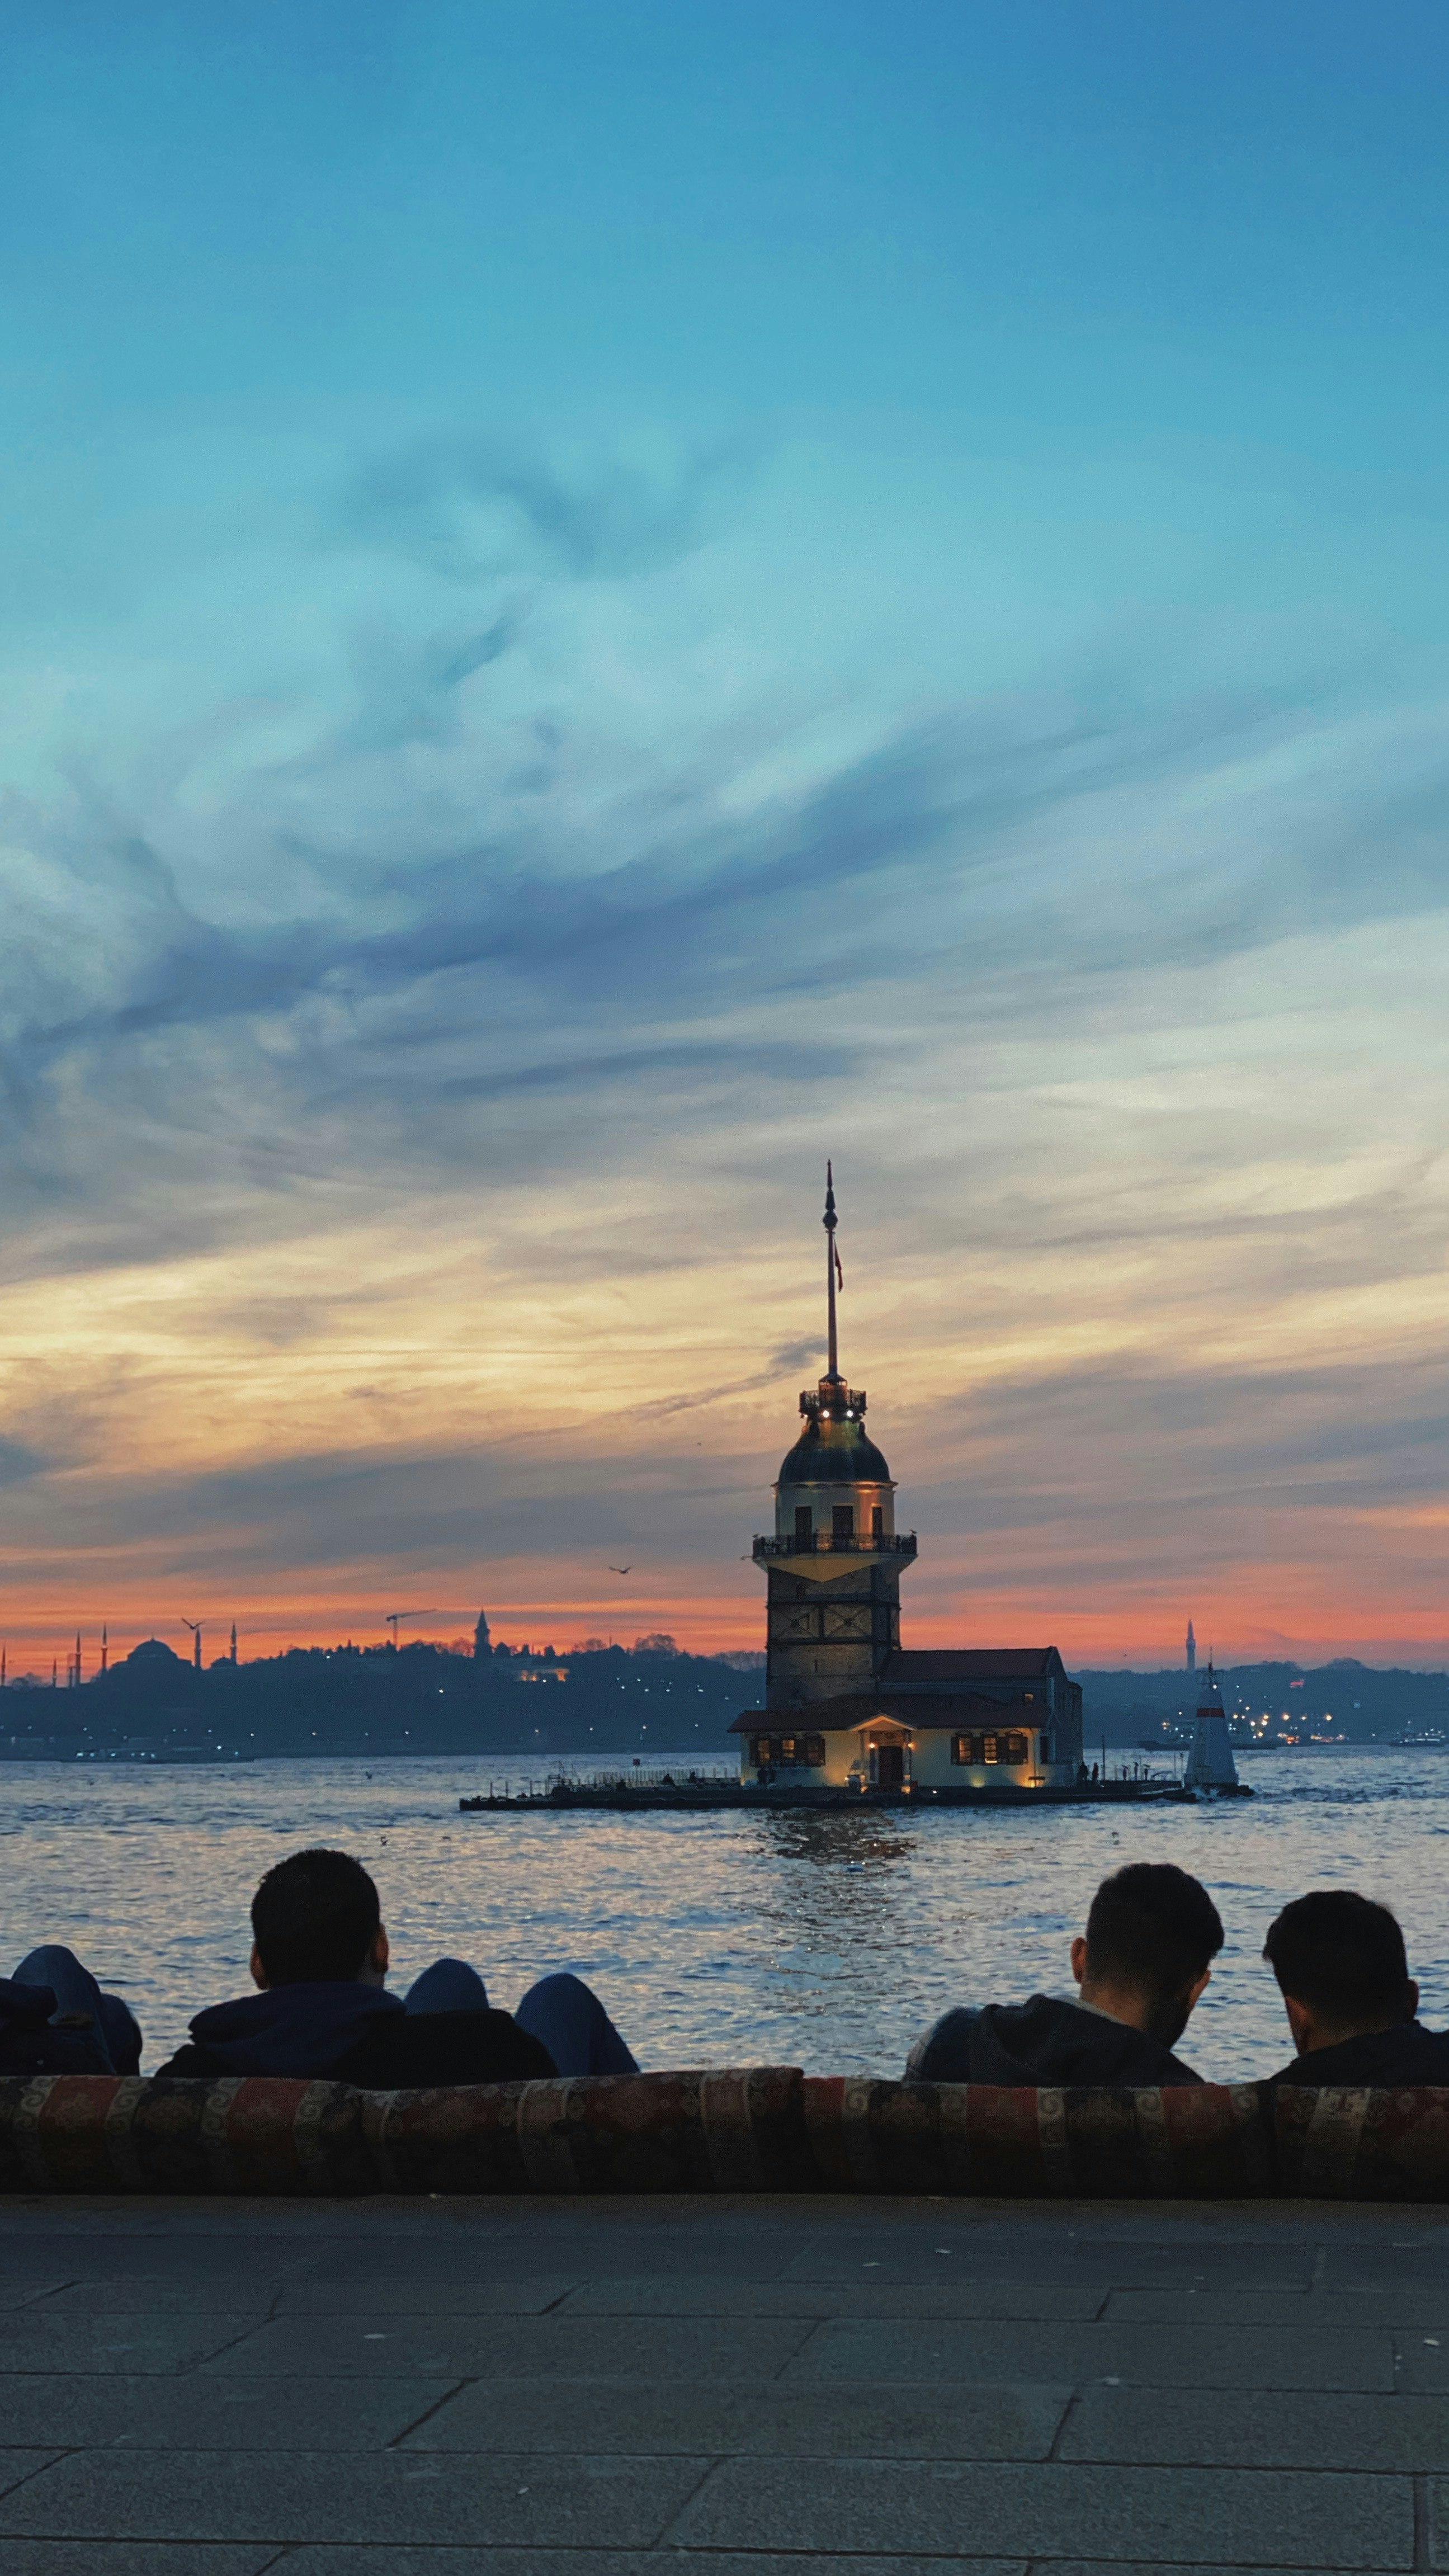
761	2128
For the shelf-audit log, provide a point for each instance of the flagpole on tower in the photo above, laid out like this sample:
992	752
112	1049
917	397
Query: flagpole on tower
833	1271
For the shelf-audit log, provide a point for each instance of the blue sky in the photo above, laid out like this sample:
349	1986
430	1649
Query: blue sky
600	603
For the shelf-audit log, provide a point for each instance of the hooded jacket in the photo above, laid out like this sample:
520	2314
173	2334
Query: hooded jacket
1407	2054
356	2034
1046	2041
31	2044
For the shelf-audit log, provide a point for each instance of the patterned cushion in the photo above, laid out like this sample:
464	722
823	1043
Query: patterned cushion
165	2133
727	2130
1333	2144
764	2128
1194	2141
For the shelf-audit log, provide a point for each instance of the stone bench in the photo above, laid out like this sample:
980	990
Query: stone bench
752	2129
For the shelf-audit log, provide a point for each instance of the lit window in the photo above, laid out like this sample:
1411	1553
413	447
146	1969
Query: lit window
988	1748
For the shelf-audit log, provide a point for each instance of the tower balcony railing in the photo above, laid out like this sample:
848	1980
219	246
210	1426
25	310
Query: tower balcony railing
831	1543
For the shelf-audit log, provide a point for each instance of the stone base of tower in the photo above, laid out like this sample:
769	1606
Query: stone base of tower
828	1634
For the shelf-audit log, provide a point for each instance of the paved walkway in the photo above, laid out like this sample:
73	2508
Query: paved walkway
746	2387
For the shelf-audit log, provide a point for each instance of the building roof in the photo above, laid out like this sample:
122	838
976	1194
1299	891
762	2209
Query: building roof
954	1668
835	1716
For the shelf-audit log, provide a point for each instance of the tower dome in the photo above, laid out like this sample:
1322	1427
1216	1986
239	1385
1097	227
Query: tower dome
833	1448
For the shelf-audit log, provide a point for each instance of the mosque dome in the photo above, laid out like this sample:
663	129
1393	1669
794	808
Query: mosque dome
153	1651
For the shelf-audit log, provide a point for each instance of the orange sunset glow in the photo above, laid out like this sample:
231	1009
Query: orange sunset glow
1150	1316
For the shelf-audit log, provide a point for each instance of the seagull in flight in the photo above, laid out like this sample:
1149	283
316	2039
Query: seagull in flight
621	1569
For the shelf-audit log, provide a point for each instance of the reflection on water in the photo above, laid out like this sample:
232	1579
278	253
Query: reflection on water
824	1941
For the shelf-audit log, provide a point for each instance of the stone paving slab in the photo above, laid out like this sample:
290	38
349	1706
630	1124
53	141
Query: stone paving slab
1389	2308
30	2339
1149	2357
1291	2518
1061	2265
1401	2434
144	2558
194	2412
713	2297
1423	2361
548	2347
623	2562
527	2499
750	2419
528	2295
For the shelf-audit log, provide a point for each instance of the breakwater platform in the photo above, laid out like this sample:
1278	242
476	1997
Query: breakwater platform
701	1793
748	2387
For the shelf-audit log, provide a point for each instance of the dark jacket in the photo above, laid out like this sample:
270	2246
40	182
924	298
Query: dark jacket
31	2044
1407	2054
357	2034
1044	2042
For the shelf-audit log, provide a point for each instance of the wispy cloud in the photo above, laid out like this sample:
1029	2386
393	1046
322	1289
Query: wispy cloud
511	936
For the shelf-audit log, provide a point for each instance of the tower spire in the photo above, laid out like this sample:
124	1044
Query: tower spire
833	1273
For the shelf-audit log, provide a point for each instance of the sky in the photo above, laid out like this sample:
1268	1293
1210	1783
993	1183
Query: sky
599	605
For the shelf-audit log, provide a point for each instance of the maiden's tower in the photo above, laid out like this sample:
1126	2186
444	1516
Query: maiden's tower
845	1705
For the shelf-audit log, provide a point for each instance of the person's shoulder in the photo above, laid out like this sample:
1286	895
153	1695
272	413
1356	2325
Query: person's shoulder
942	2054
1175	2072
1375	2060
416	2049
192	2060
52	2052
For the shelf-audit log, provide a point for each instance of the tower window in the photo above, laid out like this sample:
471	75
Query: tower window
877	1521
804	1526
842	1520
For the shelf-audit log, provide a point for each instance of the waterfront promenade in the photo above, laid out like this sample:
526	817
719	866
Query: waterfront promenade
556	2387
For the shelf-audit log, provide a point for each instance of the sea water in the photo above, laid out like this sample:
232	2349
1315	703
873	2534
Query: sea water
825	1941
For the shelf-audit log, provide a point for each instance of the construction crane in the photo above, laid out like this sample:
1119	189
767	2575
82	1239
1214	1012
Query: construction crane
392	1619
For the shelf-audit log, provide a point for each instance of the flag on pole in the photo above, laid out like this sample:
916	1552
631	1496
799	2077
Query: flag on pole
839	1273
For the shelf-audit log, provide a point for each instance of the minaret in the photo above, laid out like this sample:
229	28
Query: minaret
1191	1649
833	1566
105	1646
233	1641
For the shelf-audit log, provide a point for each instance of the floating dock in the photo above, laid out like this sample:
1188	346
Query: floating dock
683	1796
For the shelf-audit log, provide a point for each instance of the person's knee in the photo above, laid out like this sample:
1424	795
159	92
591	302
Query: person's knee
449	1985
122	2035
562	1987
40	1967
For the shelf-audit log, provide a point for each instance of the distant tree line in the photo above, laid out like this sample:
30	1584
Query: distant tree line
1366	1703
418	1697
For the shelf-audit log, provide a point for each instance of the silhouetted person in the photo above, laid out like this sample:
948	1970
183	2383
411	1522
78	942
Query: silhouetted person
56	2020
1351	2003
1152	1935
319	1961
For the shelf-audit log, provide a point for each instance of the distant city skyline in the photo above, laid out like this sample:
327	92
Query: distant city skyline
600	607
